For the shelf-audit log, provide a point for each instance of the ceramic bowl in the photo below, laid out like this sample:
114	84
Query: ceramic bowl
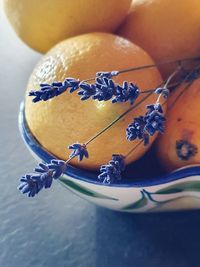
175	191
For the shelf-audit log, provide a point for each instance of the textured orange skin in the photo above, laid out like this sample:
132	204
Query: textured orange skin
182	123
166	29
43	23
65	119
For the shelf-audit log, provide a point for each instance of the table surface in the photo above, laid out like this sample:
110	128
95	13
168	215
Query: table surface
59	229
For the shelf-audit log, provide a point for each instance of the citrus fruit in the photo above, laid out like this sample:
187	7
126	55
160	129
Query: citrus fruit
42	24
180	144
168	30
66	119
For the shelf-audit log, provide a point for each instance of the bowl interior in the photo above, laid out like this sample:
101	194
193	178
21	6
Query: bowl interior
144	172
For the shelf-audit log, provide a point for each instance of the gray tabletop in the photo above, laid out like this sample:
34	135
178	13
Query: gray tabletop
59	229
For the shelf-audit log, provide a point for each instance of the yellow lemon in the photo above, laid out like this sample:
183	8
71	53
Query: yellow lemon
66	119
168	30
42	24
180	144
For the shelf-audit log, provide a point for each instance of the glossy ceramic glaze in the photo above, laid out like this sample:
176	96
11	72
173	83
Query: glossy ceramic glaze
175	191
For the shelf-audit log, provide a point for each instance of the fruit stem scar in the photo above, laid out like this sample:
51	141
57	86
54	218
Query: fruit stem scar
185	150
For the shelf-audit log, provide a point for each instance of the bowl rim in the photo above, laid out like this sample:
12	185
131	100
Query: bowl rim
91	177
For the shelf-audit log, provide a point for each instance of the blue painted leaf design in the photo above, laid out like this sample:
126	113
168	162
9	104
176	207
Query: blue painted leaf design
192	186
84	190
138	204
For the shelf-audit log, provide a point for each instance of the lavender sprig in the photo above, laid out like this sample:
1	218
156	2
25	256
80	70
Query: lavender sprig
30	185
145	126
136	130
45	173
58	167
126	92
111	172
164	92
48	91
154	119
108	74
86	90
33	183
79	150
103	89
106	89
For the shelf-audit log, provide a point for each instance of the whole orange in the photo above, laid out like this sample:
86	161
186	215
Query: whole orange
66	119
42	24
180	144
166	29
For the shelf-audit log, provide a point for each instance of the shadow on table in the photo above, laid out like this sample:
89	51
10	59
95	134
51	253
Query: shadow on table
160	239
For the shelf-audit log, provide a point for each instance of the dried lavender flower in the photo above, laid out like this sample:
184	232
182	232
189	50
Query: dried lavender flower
136	130
58	167
73	84
86	90
111	172
43	177
48	91
164	92
30	184
79	150
107	74
120	159
154	119
126	92
154	107
143	127
105	89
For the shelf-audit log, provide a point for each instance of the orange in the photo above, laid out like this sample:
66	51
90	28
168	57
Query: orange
42	24
180	144
167	29
66	119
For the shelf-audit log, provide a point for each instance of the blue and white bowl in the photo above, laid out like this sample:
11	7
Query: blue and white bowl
175	191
